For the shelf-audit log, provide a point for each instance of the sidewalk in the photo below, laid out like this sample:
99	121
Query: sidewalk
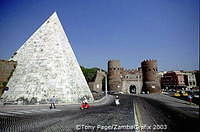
174	104
103	101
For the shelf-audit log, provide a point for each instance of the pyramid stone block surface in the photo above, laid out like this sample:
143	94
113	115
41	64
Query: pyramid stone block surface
46	67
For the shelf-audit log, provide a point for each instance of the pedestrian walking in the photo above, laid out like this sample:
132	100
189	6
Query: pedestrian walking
117	102
190	98
53	102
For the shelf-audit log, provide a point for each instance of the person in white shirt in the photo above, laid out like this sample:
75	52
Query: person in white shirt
53	102
117	102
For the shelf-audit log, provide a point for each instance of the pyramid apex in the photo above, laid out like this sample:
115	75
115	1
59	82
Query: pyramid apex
54	14
53	17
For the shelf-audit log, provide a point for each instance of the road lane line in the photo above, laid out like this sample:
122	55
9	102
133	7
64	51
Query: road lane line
137	117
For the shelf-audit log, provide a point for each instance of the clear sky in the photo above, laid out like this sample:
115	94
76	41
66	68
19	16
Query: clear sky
100	30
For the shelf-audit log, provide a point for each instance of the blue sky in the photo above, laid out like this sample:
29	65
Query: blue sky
100	30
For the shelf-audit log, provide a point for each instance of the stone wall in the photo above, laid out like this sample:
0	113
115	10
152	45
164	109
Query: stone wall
6	70
97	84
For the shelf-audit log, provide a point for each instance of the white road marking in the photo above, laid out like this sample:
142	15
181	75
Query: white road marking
20	112
5	114
26	112
15	112
135	117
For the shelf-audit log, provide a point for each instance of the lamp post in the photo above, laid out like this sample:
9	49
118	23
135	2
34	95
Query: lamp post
106	89
138	82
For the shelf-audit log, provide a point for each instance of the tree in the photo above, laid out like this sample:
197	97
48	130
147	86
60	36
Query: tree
90	73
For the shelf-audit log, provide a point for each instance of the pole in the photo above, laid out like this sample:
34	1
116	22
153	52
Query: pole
138	83
106	89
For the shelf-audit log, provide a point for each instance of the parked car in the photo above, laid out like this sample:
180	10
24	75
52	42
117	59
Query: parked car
166	93
196	96
177	94
185	94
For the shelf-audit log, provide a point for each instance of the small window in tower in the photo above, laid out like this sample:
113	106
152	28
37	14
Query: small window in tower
149	69
114	68
117	68
41	50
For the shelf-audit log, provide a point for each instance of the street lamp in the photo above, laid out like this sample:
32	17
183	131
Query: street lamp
106	89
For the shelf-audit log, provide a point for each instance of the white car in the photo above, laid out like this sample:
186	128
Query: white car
166	93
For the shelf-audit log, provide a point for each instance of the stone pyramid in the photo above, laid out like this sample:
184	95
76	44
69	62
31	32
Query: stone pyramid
47	67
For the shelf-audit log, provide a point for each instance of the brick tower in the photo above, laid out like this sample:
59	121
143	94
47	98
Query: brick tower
114	76
150	81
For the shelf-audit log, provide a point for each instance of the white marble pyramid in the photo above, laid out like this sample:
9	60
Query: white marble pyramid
46	67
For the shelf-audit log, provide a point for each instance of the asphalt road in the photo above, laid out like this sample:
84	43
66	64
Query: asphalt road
133	113
157	115
101	117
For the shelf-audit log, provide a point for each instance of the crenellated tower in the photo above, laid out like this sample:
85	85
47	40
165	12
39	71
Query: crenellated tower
150	81
114	75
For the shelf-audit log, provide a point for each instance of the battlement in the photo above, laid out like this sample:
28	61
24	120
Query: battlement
113	60
150	61
130	71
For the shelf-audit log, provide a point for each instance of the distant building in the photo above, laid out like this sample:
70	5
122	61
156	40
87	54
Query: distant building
160	76
197	76
190	79
173	79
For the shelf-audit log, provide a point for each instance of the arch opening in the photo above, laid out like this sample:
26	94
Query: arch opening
132	89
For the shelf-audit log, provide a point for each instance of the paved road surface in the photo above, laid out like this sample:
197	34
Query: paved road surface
134	112
70	119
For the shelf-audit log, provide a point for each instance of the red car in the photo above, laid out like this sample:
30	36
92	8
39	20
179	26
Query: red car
84	106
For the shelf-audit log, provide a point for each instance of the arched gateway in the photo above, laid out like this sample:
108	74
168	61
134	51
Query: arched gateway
132	89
